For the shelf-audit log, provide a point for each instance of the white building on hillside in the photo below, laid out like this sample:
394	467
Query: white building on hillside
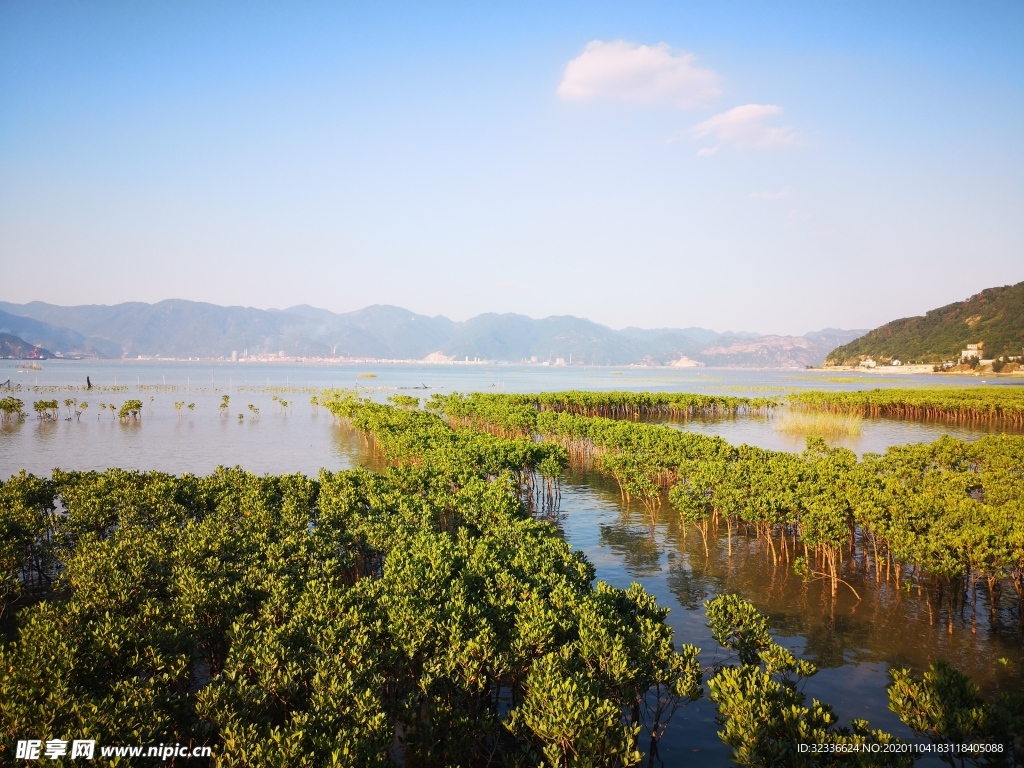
973	350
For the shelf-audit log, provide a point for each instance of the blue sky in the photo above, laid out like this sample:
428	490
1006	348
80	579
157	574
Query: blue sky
777	167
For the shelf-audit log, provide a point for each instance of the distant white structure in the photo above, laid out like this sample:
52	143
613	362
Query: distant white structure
438	357
896	362
234	355
867	362
973	350
559	361
685	362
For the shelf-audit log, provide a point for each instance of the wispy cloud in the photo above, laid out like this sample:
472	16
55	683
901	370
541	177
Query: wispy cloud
641	74
745	127
770	197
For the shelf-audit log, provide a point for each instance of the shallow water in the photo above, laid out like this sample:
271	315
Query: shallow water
854	643
875	434
298	439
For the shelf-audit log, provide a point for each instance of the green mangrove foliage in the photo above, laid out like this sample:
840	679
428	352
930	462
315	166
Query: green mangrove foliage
631	405
643	458
130	410
947	517
416	616
419	438
11	409
944	706
615	405
404	401
763	713
1000	404
46	410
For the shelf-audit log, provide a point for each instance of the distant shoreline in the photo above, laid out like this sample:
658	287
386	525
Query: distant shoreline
903	370
883	370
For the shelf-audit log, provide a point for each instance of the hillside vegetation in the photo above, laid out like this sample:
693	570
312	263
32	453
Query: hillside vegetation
12	346
995	316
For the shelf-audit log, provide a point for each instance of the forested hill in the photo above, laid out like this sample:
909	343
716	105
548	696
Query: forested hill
177	328
37	333
13	347
995	316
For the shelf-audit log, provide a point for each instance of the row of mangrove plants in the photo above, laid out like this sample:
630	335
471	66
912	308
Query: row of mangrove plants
946	517
1002	404
620	405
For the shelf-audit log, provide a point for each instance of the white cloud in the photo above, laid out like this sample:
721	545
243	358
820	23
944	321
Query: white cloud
779	194
641	74
745	127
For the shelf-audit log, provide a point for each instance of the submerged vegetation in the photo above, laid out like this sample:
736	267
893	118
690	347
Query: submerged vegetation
824	424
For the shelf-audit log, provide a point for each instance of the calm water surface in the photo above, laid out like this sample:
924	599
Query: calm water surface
854	643
298	439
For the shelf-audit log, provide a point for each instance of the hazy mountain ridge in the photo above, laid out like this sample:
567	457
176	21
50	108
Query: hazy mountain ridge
19	349
179	328
42	334
995	316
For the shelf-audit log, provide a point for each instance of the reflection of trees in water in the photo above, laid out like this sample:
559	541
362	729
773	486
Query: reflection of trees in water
888	626
833	643
356	448
638	549
691	588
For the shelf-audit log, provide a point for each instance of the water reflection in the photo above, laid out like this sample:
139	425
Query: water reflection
690	589
638	549
875	436
854	643
297	439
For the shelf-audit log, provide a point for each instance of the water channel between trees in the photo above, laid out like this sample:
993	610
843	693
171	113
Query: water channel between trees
854	642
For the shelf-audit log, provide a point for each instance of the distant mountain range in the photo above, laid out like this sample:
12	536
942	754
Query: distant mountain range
178	328
994	317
